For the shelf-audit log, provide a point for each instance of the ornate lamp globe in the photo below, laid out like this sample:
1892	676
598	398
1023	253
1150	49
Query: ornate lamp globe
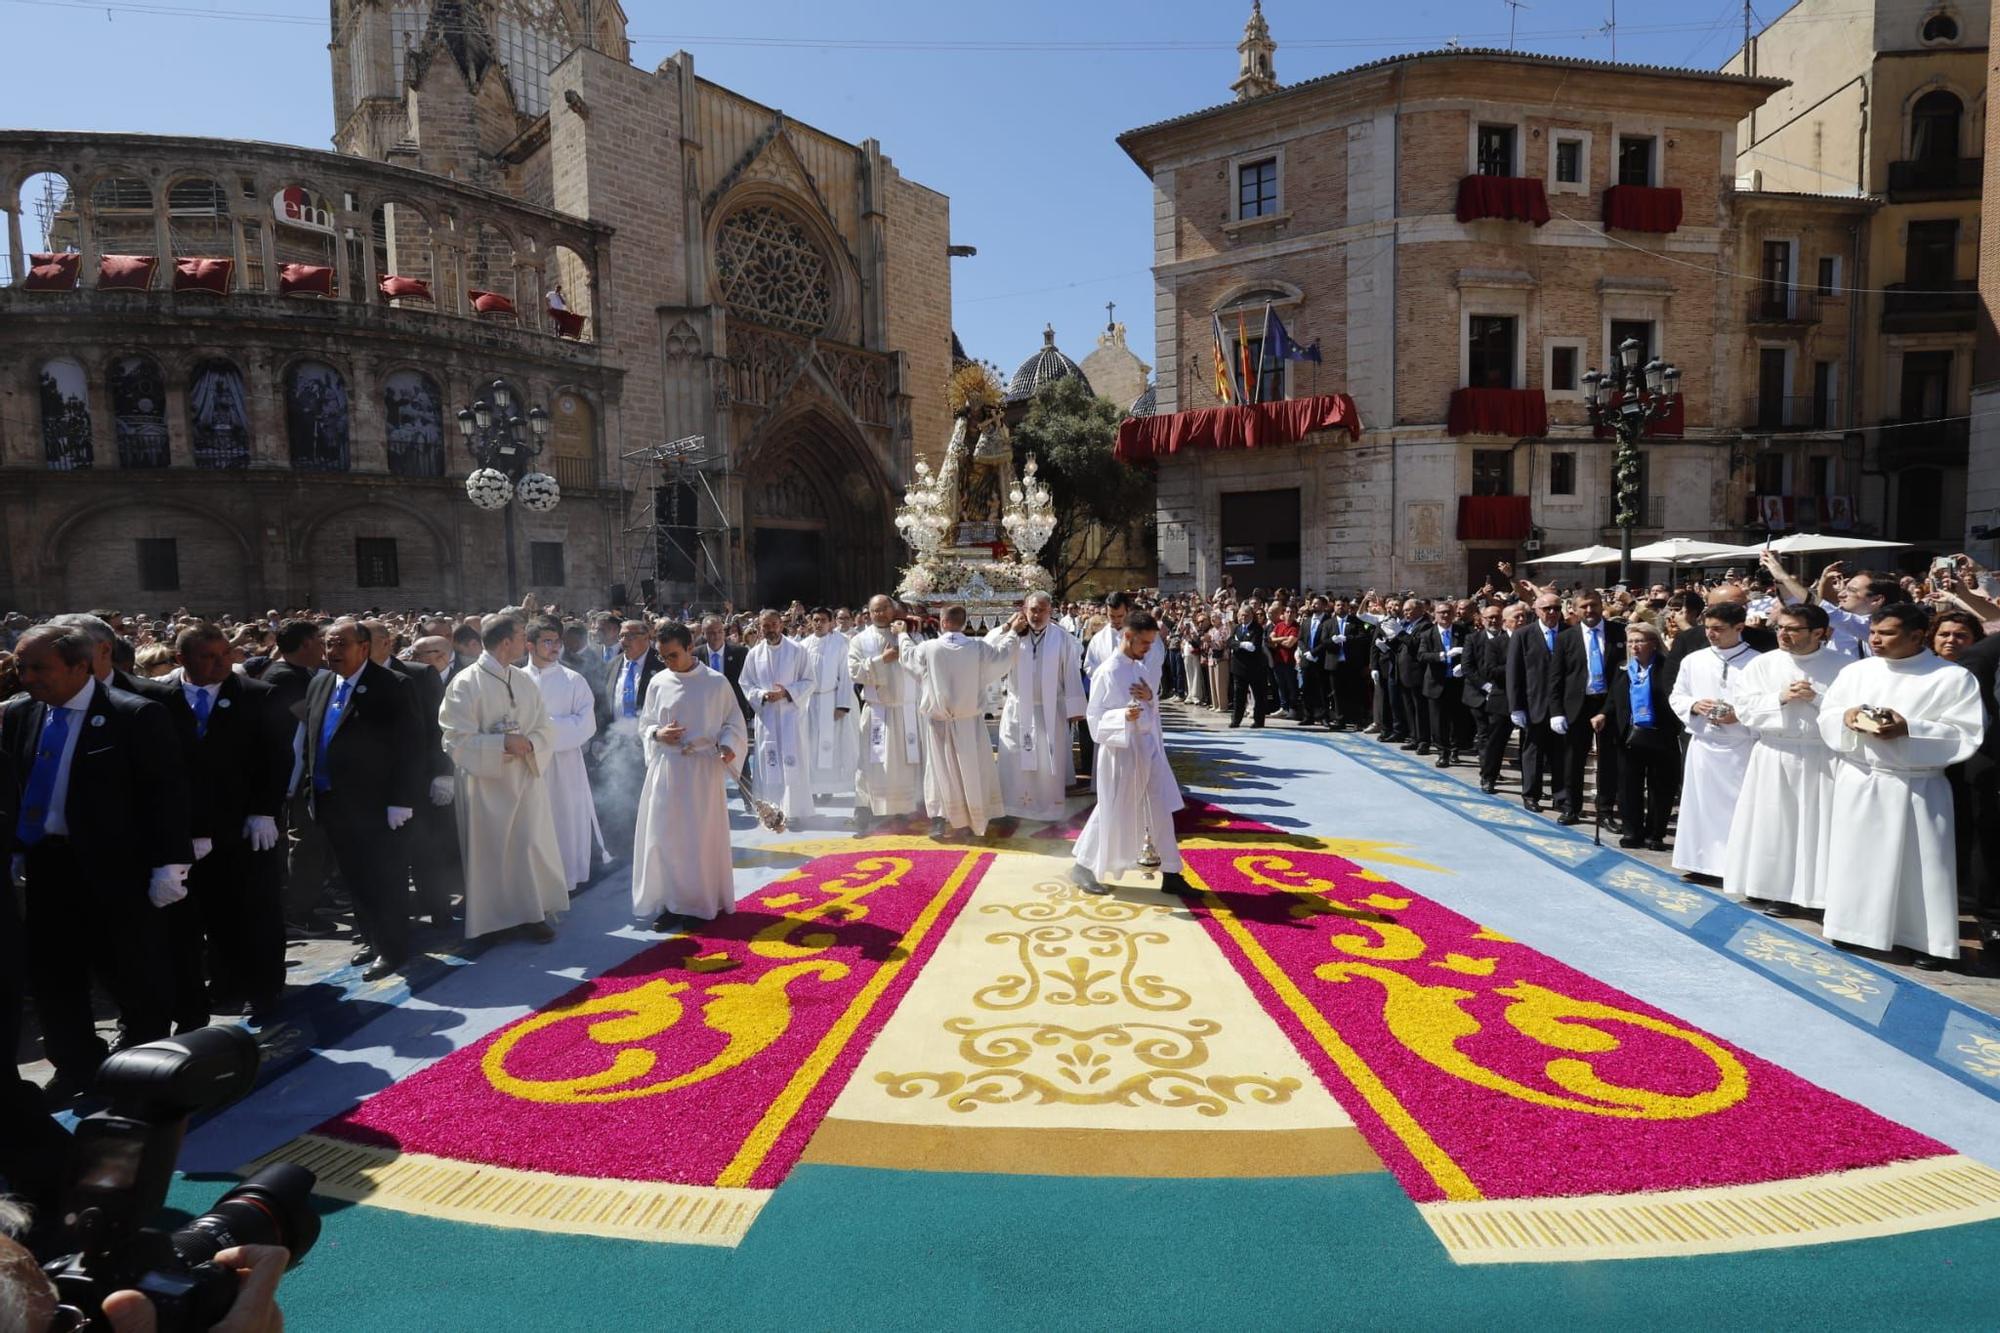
488	488
538	492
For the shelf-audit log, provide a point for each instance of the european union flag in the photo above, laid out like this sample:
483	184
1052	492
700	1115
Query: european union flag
1278	344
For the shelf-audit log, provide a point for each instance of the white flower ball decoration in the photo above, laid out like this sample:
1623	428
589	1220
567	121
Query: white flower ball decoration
538	492
489	488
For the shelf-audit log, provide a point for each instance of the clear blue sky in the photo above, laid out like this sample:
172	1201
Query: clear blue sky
1011	110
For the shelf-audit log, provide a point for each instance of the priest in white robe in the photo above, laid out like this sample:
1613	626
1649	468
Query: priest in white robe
693	733
1110	640
1044	695
572	709
961	781
1777	841
834	731
891	769
502	745
1137	793
1891	863
777	679
1719	745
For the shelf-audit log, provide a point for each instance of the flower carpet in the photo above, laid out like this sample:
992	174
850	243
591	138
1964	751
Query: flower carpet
1395	1065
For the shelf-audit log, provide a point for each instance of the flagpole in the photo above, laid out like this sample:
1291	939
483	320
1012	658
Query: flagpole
1263	349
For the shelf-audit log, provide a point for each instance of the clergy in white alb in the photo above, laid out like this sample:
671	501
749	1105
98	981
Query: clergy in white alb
835	735
777	679
891	771
1108	641
961	781
1777	841
1044	695
501	744
1137	793
1891	862
572	709
1719	744
693	734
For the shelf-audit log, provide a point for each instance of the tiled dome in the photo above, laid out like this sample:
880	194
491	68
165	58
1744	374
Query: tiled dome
1043	369
1145	405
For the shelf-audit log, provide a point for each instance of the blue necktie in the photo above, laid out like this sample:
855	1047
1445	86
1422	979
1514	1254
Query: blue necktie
322	777
1594	654
1550	635
631	688
31	828
201	707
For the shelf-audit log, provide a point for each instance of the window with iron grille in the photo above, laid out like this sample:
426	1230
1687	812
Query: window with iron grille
1489	352
159	564
1496	150
1562	473
375	563
1492	472
1635	159
545	564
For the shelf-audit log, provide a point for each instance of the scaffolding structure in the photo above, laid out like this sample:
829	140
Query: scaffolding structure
666	545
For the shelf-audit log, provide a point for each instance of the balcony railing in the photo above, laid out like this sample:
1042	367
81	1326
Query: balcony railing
1936	305
572	474
1945	178
1776	304
1922	443
1789	412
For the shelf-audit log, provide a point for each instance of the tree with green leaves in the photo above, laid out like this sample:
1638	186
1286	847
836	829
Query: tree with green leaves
1070	430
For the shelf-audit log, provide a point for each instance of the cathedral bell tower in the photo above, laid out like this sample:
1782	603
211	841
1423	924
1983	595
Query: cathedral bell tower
1255	75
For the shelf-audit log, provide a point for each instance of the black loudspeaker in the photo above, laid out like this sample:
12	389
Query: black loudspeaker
616	597
648	589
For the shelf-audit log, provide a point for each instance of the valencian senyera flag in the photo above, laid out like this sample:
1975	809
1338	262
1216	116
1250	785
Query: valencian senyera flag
1225	383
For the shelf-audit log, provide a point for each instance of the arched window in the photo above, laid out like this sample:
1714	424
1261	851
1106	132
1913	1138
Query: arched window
772	272
1940	29
573	440
414	410
1934	127
139	412
218	416
65	416
316	417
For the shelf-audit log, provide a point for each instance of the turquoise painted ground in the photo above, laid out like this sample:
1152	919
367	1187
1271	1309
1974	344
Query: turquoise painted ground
849	1248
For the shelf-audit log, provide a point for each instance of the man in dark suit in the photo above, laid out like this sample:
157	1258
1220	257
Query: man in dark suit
1440	654
1693	638
1646	735
1982	789
1588	654
243	760
365	770
1531	659
1410	678
101	842
432	841
465	650
1348	649
1249	668
621	763
1316	702
307	860
1486	688
718	654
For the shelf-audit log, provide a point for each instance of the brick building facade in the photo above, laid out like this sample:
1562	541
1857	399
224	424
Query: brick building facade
646	254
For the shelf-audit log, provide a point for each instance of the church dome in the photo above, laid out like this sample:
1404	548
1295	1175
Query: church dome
1146	404
1043	369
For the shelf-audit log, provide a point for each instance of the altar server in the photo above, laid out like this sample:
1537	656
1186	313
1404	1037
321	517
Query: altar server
961	781
1137	794
1777	841
1106	643
572	709
1045	694
834	735
777	679
890	780
501	741
1719	744
1891	868
694	733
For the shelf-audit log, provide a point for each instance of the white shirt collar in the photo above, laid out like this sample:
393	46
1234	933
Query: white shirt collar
81	700
190	689
349	680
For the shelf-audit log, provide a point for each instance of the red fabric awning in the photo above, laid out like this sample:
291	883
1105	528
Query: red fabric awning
1286	422
1515	198
1516	412
1673	423
305	280
490	303
1642	208
203	275
1494	518
397	287
125	273
568	323
52	272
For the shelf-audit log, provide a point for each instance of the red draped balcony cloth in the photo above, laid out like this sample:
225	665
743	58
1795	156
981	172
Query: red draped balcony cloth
1286	422
125	273
568	323
1494	518
305	280
1516	412
1673	423
195	273
399	288
52	272
1515	198
1642	208
490	303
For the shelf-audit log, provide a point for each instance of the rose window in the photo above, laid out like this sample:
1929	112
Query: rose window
772	273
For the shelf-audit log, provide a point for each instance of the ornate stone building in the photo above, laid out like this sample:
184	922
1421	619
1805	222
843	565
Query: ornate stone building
650	256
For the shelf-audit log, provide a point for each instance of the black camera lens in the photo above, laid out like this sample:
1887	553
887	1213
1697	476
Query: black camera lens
273	1207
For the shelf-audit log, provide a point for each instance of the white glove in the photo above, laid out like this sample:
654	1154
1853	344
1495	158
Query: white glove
1305	656
441	791
1487	687
1245	646
1559	725
262	830
1454	652
1340	638
167	887
1518	718
202	847
399	815
20	867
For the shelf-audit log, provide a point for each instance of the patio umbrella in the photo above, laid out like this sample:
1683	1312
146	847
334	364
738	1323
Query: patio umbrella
1815	543
1683	550
1584	555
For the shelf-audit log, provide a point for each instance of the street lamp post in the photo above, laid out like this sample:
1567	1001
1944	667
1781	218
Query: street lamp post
505	447
1628	399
